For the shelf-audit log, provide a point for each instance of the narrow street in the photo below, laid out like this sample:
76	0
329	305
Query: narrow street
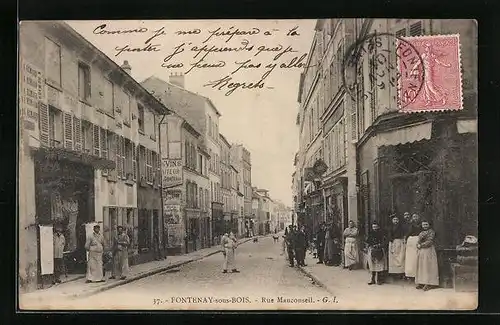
265	275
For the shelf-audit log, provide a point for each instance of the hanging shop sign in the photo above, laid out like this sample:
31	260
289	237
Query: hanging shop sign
171	172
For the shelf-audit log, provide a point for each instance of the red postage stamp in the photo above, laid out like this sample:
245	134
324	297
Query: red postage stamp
433	80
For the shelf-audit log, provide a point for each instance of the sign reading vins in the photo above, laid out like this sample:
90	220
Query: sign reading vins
171	172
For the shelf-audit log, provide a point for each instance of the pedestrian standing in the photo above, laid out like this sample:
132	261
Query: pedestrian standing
427	273
120	254
376	253
320	243
329	246
95	249
229	244
290	242
397	249
300	246
59	243
351	249
411	246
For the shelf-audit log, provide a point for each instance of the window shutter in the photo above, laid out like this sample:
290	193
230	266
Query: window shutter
104	143
118	155
68	131
106	225
134	162
123	154
43	111
416	29
401	33
158	170
136	228
77	130
153	168
96	140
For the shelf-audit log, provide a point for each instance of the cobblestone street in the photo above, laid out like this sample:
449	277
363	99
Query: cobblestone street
264	275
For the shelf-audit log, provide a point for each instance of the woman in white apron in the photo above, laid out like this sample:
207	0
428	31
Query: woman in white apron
351	255
229	244
427	272
397	249
411	247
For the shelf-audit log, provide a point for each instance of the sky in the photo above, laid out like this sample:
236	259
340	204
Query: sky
261	118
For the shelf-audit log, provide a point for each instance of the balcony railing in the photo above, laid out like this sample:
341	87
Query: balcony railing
55	143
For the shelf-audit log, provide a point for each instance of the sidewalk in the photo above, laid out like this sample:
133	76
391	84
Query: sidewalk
79	289
353	292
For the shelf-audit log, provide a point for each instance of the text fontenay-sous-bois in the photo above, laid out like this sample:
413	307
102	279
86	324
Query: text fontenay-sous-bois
202	54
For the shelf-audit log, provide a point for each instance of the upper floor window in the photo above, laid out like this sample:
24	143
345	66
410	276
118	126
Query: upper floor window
52	62
84	88
109	97
140	118
126	109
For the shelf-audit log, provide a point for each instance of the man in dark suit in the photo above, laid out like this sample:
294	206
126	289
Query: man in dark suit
290	244
320	242
300	246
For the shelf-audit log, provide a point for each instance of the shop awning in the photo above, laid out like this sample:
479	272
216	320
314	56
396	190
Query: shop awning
467	126
96	162
408	134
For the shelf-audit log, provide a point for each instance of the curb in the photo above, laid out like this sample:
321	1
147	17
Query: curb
318	281
143	275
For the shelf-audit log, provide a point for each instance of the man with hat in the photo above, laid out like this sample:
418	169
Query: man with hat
59	243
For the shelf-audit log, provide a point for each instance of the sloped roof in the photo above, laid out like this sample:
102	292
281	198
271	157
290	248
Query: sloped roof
178	99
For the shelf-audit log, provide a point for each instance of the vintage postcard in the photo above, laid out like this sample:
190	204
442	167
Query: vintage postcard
326	164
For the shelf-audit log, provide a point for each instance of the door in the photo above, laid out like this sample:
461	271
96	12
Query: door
412	193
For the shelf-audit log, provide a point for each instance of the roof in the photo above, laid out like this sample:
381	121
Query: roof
180	100
140	91
225	140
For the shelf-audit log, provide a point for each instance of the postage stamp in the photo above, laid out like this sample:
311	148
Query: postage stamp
438	73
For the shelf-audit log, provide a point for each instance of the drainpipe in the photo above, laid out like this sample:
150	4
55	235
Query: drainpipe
164	242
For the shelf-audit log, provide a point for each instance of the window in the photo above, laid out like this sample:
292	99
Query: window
149	166
129	154
126	109
416	29
53	62
55	131
87	137
401	33
84	87
339	63
140	118
210	126
109	97
154	126
104	143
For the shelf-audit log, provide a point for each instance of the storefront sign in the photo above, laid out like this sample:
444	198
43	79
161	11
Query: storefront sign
173	224
31	93
172	214
172	172
172	197
46	250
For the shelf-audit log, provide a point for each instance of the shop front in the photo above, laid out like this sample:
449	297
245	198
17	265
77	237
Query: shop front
193	229
434	176
149	225
218	225
64	197
336	202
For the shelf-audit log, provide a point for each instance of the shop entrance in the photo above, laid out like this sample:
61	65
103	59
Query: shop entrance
65	197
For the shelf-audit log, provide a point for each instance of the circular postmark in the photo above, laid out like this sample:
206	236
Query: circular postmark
392	62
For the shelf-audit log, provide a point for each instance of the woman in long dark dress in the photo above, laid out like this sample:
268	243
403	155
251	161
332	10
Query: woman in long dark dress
427	273
329	245
376	253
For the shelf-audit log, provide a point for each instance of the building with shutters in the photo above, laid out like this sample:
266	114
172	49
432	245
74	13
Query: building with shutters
196	120
87	142
325	127
229	200
241	158
424	163
381	161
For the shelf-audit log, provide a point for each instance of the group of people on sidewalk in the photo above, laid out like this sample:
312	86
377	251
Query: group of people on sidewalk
295	243
406	250
98	257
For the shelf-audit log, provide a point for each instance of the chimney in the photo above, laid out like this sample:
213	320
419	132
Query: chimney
125	66
177	79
